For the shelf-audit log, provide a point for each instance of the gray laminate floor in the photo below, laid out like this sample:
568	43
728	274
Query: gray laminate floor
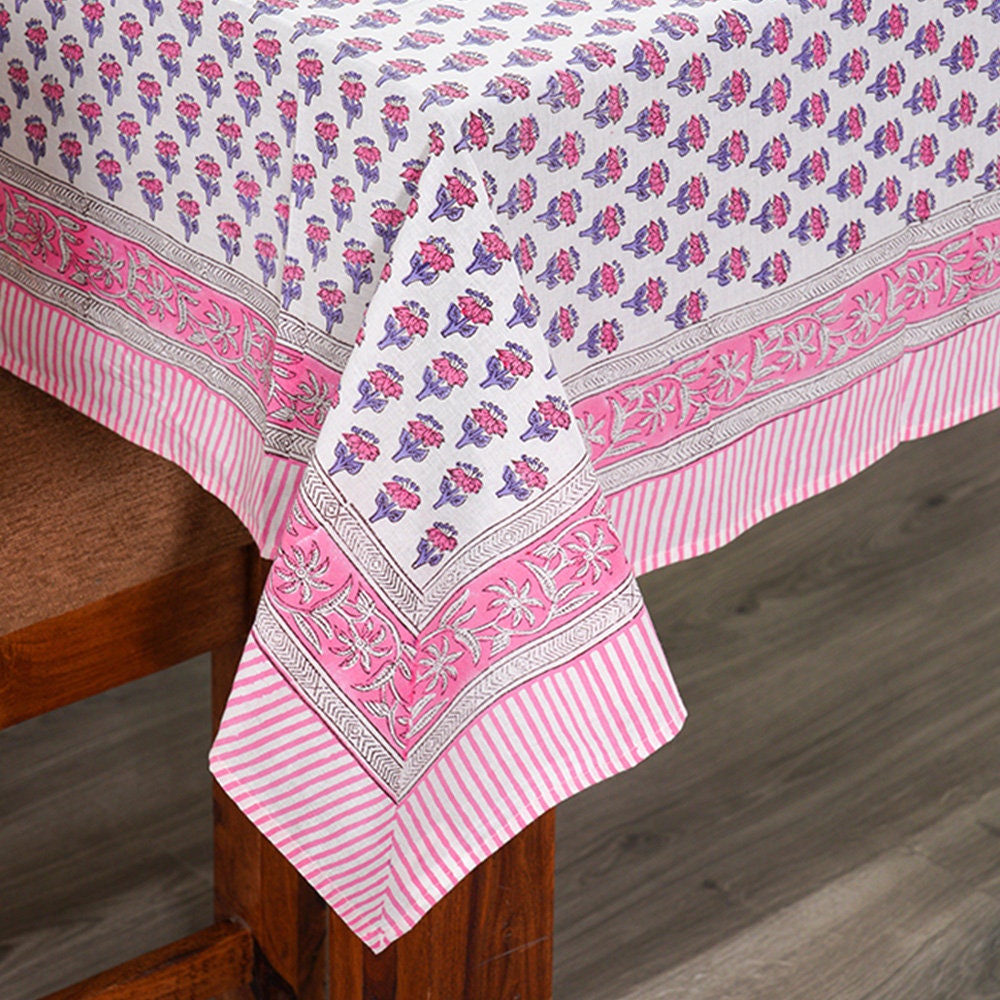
827	825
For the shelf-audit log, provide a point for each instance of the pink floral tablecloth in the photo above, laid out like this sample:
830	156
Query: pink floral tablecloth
473	311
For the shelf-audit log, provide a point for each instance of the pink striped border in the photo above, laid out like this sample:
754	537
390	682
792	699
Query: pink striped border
388	864
795	456
152	405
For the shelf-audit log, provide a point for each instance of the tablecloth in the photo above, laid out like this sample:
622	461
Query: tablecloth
474	311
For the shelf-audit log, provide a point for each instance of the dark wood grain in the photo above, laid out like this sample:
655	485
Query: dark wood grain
841	665
490	937
198	967
149	627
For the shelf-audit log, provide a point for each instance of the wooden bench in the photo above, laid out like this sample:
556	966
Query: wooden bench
116	564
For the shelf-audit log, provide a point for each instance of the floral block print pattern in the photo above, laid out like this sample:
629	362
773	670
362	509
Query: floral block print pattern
473	310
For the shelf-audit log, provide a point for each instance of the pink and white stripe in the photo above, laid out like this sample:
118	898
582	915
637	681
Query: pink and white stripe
388	864
811	449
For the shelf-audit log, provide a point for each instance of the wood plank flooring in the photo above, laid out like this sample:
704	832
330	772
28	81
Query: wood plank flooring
827	825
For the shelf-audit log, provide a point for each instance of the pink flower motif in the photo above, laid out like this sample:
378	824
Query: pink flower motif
567	210
188	109
150	88
818	50
652	53
438	259
615	107
737	87
167	148
696	134
425	432
817	224
36	131
282	209
527	135
189	207
247	187
288	108
654	297
487	418
413	324
525	194
531	475
697	73
232	28
330	296
395	111
854	123
230	129
190	8
352	89
267	250
697	191
554	411
248	88
436	142
897	25
927	96
495	245
447	367
693	307
53	91
571	149
109	166
385	383
609	279
478	135
342	193
932	40
207	166
608	337
778	212
70	148
367	152
612	227
655	237
207	67
462	193
71	52
37	35
358	256
267	47
614	164
927	152
464	481
737	206
268	150
327	130
401	496
696	248
657	119
303	170
230	229
90	110
512	360
316	232
93	11
152	184
473	310
780	270
440	540
292	273
818	166
564	265
360	446
778	157
170	49
817	109
311	68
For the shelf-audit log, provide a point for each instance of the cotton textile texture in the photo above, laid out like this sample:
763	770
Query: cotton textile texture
473	311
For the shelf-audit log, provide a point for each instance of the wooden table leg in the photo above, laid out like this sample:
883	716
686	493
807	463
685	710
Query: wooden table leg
490	938
254	884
